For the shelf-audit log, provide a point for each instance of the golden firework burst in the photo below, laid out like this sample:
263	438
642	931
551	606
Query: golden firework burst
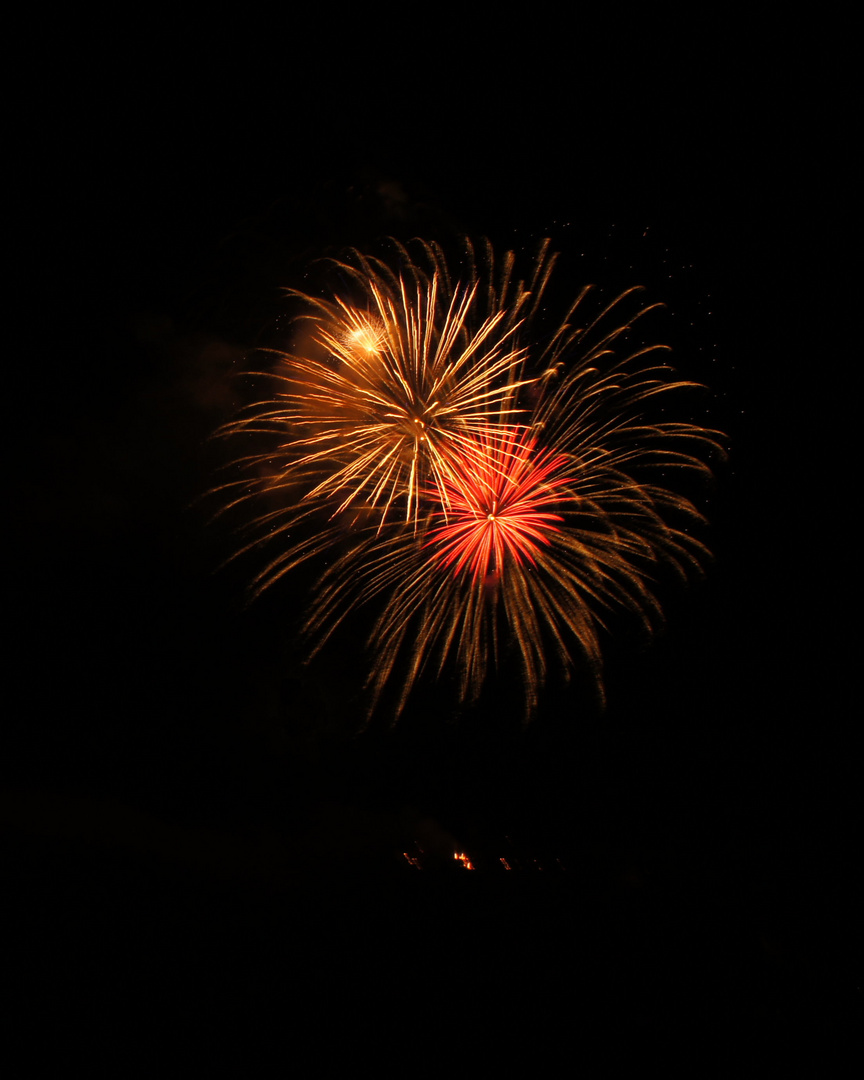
487	488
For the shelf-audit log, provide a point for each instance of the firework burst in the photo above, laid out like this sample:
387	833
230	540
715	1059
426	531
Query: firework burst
489	494
495	500
390	385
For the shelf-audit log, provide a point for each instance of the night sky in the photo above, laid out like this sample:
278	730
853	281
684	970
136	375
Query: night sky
175	773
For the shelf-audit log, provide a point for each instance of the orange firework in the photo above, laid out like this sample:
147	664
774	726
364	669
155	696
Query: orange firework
490	494
386	385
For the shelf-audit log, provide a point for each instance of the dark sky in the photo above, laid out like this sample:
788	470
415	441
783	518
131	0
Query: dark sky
169	193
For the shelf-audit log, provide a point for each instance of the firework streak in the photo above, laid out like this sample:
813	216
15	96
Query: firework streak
486	487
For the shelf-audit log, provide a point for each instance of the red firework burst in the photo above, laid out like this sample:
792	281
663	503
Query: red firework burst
497	499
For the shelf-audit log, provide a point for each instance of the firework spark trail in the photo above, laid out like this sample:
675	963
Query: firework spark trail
482	491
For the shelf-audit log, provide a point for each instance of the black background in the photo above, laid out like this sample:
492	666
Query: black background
179	790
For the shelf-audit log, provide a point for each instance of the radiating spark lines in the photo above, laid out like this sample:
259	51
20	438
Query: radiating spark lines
490	488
